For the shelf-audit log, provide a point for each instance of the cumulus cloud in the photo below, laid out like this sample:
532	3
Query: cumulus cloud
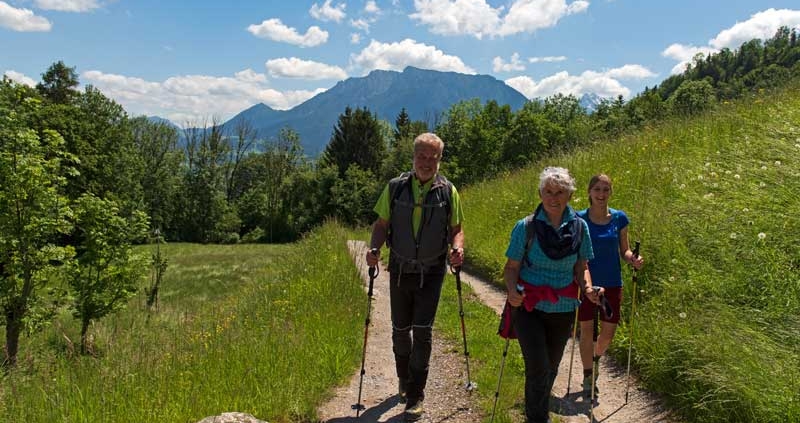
604	84
761	25
396	56
68	5
303	69
326	12
478	19
499	65
274	29
22	20
372	7
547	59
192	98
355	38
361	24
19	78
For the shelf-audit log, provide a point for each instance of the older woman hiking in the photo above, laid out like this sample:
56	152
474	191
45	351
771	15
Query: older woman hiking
550	273
608	229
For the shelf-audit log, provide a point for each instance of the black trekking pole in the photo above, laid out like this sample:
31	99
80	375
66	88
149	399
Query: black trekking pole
633	315
572	354
470	386
373	273
513	311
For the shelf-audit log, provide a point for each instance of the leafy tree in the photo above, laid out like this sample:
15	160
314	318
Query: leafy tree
693	97
160	161
105	272
357	139
33	210
530	135
59	83
354	196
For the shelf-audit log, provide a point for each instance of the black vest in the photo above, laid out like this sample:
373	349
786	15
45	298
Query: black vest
427	252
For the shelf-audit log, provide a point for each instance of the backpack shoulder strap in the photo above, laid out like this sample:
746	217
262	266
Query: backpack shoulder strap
530	235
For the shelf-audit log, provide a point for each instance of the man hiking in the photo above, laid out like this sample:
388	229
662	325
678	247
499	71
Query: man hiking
419	218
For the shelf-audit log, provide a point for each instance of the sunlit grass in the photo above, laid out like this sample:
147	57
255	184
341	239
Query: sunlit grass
265	330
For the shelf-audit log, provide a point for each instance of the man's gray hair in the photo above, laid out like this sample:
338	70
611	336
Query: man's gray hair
558	176
431	139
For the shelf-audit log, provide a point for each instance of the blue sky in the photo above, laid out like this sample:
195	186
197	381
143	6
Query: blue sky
193	60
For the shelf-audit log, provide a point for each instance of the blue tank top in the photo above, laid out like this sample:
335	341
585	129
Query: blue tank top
605	267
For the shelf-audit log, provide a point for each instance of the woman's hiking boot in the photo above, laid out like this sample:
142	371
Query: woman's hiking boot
587	385
401	390
414	411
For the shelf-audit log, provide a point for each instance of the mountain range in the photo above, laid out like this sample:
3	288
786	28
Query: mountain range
425	94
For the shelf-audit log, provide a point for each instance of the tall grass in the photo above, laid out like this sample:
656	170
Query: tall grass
266	330
714	201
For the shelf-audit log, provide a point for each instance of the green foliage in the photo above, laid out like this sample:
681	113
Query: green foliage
105	272
354	196
357	139
693	97
59	83
33	210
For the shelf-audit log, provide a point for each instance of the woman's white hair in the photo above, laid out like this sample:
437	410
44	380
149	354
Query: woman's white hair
558	176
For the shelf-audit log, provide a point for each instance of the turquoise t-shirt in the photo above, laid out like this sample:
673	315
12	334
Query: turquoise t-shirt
542	269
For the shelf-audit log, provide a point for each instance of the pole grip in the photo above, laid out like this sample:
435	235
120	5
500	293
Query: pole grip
636	249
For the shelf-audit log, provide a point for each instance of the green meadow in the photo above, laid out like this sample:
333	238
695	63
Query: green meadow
270	329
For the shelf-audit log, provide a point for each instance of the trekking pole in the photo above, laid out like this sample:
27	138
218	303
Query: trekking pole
373	273
457	272
513	312
595	360
572	354
633	315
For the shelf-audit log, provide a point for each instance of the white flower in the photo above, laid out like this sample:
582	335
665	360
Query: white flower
733	235
762	184
764	167
709	195
777	162
736	176
715	185
708	164
672	278
699	177
682	315
727	172
714	174
683	186
745	210
762	235
674	261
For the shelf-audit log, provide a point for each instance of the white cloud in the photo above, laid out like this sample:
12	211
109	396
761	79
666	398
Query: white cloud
360	24
355	38
274	29
68	5
499	65
372	7
192	98
326	12
547	59
19	78
396	56
22	20
762	25
303	69
604	84
479	19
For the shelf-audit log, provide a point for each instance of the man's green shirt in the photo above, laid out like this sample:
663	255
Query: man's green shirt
419	191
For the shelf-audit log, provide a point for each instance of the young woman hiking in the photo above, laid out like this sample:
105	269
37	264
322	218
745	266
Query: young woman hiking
608	229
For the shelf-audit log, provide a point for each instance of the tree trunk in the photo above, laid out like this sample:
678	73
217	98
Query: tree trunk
84	330
13	329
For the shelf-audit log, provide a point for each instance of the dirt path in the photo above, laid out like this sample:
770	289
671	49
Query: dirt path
446	400
445	397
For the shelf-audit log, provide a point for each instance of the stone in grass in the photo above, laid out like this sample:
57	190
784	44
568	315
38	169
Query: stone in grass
234	417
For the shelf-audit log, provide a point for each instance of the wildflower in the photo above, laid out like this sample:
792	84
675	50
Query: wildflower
709	195
683	186
764	167
736	176
777	162
708	164
733	235
699	177
682	315
762	235
715	185
672	278
714	174
727	172
745	210
762	184
674	261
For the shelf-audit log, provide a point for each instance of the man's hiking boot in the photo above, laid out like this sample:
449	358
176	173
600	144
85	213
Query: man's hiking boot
587	385
401	390
414	411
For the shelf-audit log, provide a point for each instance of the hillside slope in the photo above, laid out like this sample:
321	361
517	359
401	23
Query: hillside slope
713	200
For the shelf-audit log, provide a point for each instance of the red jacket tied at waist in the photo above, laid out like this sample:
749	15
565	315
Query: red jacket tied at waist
532	296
